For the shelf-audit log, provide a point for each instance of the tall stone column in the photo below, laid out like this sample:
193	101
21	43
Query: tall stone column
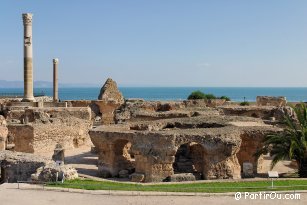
55	80
28	55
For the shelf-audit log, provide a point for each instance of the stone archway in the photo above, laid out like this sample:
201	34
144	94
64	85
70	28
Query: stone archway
123	158
189	158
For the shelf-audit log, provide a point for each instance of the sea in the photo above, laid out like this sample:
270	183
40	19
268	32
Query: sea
298	94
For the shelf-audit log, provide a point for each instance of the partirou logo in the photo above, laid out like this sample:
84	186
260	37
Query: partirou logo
267	196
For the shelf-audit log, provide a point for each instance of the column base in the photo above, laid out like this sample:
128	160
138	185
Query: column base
28	99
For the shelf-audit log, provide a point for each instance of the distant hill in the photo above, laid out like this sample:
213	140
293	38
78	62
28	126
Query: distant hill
43	84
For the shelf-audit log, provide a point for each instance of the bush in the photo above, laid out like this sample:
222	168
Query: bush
210	96
244	103
200	95
197	95
226	98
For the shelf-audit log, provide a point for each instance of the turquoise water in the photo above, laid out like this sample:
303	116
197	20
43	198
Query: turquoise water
174	93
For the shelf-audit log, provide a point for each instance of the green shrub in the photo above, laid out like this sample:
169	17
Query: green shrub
244	103
226	98
210	96
197	95
200	95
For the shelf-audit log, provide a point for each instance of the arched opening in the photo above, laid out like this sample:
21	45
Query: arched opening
189	158
124	158
2	175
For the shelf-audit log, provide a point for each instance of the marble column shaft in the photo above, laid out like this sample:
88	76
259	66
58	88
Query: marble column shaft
55	80
28	57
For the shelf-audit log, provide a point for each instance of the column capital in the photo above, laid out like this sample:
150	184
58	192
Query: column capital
55	61
27	18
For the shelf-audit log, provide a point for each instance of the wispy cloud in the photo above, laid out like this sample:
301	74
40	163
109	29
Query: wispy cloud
203	65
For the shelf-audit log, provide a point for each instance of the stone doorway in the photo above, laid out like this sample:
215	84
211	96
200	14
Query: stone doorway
189	158
124	158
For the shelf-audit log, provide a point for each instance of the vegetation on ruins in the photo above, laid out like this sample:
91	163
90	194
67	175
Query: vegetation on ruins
225	98
245	103
292	143
206	187
196	95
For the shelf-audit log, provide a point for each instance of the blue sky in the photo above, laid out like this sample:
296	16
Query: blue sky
160	42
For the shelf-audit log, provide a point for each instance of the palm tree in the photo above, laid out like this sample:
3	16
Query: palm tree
292	143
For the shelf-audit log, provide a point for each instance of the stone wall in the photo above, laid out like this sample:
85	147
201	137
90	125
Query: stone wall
34	114
16	166
154	149
22	137
250	111
47	127
271	101
154	157
3	133
139	110
215	147
252	140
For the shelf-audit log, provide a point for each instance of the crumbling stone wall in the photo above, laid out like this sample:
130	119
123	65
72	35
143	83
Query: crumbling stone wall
250	111
17	166
271	101
154	152
47	127
23	137
215	147
252	140
3	133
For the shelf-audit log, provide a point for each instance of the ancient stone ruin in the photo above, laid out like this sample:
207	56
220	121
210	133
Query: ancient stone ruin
109	100
17	166
53	172
271	101
143	141
40	129
209	147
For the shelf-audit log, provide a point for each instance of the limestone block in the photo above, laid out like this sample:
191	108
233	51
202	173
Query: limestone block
137	177
181	177
53	172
